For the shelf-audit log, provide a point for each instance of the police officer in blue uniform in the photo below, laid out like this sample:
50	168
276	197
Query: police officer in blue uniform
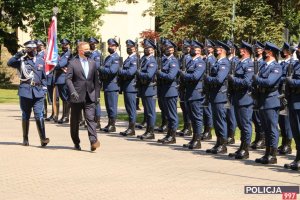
218	96
259	141
294	108
148	89
284	120
60	79
127	85
184	60
194	98
268	82
242	101
169	93
231	120
207	112
108	75
96	55
160	99
32	89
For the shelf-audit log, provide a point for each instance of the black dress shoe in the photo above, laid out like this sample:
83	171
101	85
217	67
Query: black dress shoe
220	149
163	139
234	154
188	144
196	144
296	166
289	165
147	136
51	118
63	120
213	148
169	140
77	147
269	157
243	154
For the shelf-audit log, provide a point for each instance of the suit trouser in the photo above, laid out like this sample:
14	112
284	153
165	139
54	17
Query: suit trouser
162	107
184	108
149	109
37	104
257	121
295	125
89	111
170	106
195	112
219	119
270	122
285	127
207	116
130	105
243	115
111	104
231	119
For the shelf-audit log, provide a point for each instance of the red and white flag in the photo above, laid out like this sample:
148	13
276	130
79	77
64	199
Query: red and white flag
52	49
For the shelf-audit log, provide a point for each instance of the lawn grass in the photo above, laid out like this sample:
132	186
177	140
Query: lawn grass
10	96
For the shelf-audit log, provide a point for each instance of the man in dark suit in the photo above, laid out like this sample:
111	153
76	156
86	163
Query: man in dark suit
83	84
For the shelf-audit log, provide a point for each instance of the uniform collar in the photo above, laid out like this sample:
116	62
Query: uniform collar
222	58
245	59
133	54
196	57
268	63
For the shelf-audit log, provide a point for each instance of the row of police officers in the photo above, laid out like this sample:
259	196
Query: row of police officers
220	85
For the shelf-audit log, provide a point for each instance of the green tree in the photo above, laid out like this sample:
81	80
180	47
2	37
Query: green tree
254	19
76	19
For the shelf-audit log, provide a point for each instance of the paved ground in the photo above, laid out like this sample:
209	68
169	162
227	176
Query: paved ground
123	168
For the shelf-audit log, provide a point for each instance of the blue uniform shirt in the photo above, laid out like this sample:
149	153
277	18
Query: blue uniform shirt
127	74
268	82
147	75
192	79
63	60
108	73
216	80
294	98
36	86
168	77
242	82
